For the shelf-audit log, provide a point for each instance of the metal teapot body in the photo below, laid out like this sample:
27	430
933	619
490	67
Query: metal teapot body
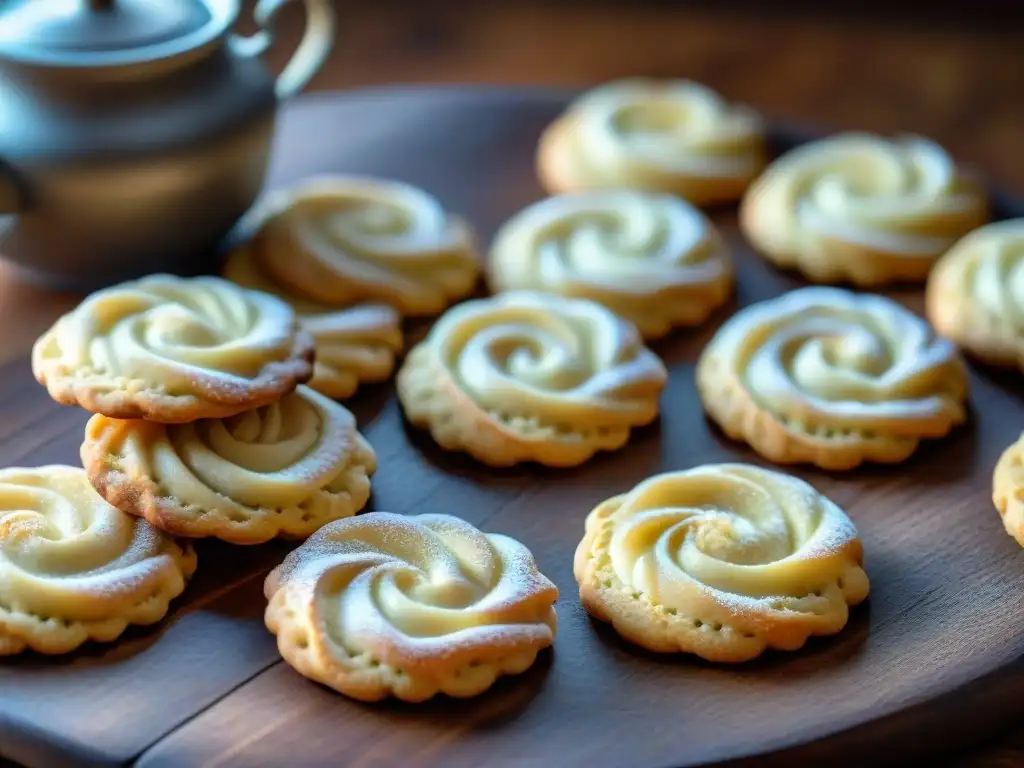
120	160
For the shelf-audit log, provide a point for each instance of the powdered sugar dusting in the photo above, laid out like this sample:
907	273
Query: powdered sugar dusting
829	361
421	589
164	338
87	560
568	363
746	539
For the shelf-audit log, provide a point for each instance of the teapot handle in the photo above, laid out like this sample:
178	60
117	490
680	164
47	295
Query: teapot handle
313	49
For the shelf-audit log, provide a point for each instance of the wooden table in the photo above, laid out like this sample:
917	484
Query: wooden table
958	84
955	79
244	705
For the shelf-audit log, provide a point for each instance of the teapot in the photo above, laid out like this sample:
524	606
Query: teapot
135	134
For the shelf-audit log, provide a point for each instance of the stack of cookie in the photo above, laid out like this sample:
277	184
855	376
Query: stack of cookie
402	256
213	418
202	428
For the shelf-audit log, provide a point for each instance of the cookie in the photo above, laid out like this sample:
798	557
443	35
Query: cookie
73	568
173	350
649	257
529	376
345	239
975	294
1008	489
384	605
660	135
282	470
861	208
355	345
722	561
242	268
833	378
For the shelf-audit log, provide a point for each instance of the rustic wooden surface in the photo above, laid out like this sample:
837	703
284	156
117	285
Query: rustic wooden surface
954	82
207	688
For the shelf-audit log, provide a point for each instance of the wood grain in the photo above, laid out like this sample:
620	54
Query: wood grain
954	82
204	688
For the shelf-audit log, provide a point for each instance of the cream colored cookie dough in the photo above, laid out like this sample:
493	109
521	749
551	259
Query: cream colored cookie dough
242	268
281	470
173	350
73	568
384	605
651	258
722	561
1008	489
861	208
975	294
529	376
833	378
339	240
671	136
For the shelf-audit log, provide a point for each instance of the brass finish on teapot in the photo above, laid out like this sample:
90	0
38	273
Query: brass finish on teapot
134	134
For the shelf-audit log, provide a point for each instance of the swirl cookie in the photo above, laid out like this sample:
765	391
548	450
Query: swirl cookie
281	470
975	293
861	208
384	605
650	258
722	561
241	268
833	378
531	377
667	136
345	239
355	345
173	350
1008	489
73	568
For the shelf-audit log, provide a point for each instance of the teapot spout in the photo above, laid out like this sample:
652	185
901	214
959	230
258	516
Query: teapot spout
11	200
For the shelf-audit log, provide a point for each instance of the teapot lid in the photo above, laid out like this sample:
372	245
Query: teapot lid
96	33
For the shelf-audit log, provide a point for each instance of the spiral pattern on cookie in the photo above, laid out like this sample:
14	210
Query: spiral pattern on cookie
74	568
862	208
651	258
174	349
975	293
382	603
526	375
831	377
283	469
340	240
722	561
674	136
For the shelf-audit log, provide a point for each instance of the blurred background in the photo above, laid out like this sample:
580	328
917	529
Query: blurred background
948	70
